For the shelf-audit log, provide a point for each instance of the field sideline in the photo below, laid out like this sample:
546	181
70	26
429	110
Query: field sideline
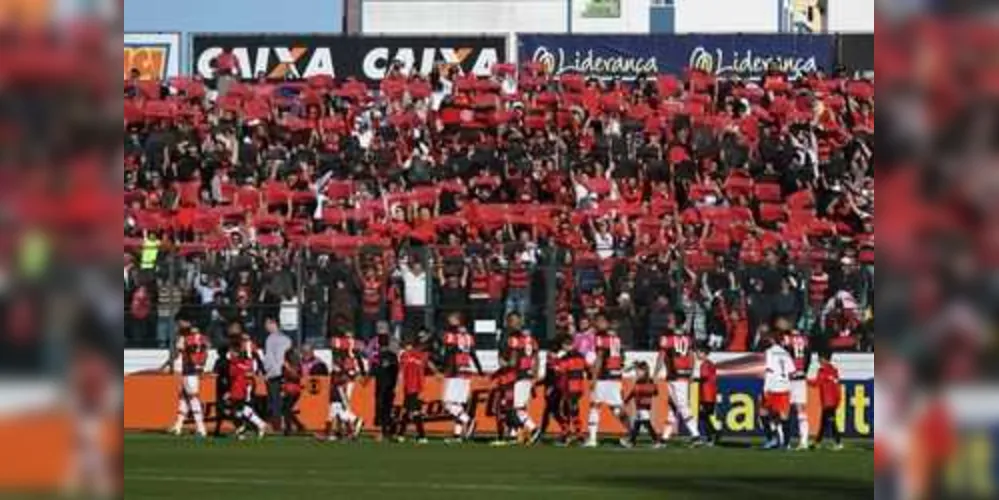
162	467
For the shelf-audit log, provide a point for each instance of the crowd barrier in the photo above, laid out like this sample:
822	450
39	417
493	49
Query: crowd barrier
287	57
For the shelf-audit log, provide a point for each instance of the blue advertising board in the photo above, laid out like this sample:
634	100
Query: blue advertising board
627	56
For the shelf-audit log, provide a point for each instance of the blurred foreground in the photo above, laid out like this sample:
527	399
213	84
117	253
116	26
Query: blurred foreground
939	229
60	313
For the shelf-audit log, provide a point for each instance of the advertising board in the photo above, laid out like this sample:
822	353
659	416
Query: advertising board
627	56
292	57
155	55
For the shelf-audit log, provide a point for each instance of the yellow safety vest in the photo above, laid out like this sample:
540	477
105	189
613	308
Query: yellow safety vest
150	252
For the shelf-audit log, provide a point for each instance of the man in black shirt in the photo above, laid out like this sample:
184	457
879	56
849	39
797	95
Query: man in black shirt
386	372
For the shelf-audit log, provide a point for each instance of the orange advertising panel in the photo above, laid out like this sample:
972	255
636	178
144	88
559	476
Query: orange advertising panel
151	404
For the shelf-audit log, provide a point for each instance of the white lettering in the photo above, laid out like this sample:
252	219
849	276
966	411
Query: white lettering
284	57
589	63
321	63
748	63
376	63
204	64
428	60
484	63
262	61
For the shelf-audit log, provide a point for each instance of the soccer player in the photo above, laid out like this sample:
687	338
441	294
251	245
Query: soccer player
553	391
504	380
192	348
798	346
643	394
291	390
522	353
708	400
776	408
460	358
607	372
572	373
241	372
414	363
348	364
676	356
829	393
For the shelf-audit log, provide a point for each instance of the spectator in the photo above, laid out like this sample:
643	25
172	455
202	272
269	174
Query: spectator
275	350
289	316
315	309
660	318
787	302
415	294
576	183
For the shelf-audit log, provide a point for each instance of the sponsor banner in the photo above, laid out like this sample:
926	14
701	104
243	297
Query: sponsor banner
856	52
627	56
288	57
150	404
155	55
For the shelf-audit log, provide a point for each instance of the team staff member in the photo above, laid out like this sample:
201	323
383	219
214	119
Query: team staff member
708	396
522	353
414	363
291	392
830	396
386	373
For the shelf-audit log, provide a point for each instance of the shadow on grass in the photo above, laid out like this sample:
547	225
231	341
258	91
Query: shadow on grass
728	487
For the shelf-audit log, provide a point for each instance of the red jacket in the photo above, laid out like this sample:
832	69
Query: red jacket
828	383
708	383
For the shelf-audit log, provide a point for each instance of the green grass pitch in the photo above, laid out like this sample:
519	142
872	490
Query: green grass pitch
162	467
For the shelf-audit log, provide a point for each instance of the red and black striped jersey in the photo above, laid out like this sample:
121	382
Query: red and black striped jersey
678	352
610	356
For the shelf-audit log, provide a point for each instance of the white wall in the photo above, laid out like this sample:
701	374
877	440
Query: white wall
634	19
496	16
450	17
851	16
727	16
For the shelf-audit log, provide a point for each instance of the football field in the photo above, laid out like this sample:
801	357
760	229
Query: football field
162	467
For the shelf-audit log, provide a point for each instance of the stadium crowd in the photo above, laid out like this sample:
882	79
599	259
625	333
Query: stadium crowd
718	204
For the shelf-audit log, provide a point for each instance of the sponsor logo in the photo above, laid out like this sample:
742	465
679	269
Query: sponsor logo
276	63
378	61
151	60
748	63
557	61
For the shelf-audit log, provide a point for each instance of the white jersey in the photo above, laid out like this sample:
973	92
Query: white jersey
779	366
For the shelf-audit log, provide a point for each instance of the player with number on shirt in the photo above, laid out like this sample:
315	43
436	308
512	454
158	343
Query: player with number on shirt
607	372
797	345
676	356
460	358
776	409
192	348
522	353
347	366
